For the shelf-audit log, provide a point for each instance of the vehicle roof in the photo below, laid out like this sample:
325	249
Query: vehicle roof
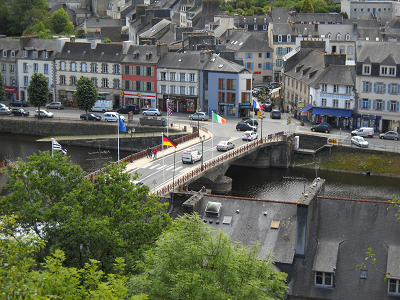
248	131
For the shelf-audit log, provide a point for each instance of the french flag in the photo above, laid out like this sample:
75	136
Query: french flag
256	105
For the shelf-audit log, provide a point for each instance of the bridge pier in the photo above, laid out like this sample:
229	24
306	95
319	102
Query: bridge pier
222	185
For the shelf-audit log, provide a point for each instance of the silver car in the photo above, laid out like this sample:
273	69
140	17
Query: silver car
5	110
199	116
152	112
390	135
359	141
225	146
56	105
44	114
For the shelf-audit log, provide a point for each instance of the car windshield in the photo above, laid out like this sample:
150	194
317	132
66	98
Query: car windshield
361	139
223	143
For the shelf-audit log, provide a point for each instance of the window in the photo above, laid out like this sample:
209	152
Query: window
163	89
104	68
393	88
265	27
301	87
26	80
62	66
137	85
4	53
336	103
192	90
116	69
25	53
83	67
104	83
192	77
163	76
255	27
116	84
393	106
221	83
73	66
246	26
288	49
127	85
379	104
173	76
63	80
342	49
384	70
324	88
279	62
338	37
3	67
231	84
349	89
147	86
94	80
367	86
5	81
392	71
324	279
26	67
93	68
365	103
221	97
348	37
292	82
329	36
347	104
12	53
73	80
259	66
35	68
349	49
366	69
289	38
46	69
279	51
182	76
297	85
379	88
172	89
323	102
280	38
335	88
182	90
46	54
12	68
259	55
35	53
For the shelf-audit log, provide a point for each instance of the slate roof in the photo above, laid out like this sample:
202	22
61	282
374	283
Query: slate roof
248	41
83	52
143	49
351	226
280	14
316	17
9	44
259	20
155	29
190	61
393	26
218	64
94	23
378	51
293	29
371	23
250	224
340	75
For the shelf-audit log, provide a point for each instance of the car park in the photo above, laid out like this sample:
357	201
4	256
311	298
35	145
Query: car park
113	117
55	105
275	114
90	117
20	112
359	141
191	156
5	110
18	103
249	136
390	135
125	109
321	128
43	114
251	122
242	126
225	146
152	112
199	116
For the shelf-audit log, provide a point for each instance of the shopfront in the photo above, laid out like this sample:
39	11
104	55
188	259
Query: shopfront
339	118
367	121
244	109
143	100
226	109
11	93
178	104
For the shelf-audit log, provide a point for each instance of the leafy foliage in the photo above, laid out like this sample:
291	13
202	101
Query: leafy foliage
86	94
2	90
307	7
38	90
79	33
191	262
107	41
40	30
60	22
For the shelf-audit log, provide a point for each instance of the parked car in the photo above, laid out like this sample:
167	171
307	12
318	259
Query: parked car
327	124
321	128
359	141
274	85
242	126
390	135
267	107
20	112
364	131
275	114
113	117
152	112
91	117
191	156
44	114
251	122
125	109
18	103
3	105
225	146
199	116
55	105
5	110
249	136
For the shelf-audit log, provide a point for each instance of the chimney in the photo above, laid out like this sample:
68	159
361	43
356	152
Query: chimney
126	45
202	56
355	27
161	49
60	44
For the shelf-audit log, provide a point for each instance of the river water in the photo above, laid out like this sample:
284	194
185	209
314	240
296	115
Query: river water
272	184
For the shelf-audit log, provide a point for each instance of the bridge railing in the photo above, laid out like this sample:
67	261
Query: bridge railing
182	179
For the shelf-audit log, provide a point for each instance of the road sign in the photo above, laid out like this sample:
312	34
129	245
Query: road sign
154	181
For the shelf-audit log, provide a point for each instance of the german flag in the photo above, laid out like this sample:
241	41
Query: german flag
168	142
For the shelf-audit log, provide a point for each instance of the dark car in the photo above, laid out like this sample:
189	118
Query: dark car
18	103
91	117
275	114
321	128
242	126
125	109
327	124
20	112
251	122
267	107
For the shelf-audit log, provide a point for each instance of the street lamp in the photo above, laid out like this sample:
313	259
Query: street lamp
202	139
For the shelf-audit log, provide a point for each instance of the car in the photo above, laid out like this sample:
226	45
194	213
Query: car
359	141
242	126
191	156
18	103
137	182
251	122
199	116
274	85
275	114
390	135
267	107
55	105
126	109
327	124
3	105
43	114
152	112
249	136
20	112
113	117
5	110
321	128
91	117
225	146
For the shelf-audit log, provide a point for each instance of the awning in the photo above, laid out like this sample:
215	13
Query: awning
304	109
332	112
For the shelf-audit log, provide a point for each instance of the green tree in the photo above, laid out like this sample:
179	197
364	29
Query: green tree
60	22
79	33
40	30
107	41
38	91
2	90
345	15
307	7
190	261
86	94
99	220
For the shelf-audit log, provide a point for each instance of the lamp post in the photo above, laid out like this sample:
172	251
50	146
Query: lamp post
198	124
202	139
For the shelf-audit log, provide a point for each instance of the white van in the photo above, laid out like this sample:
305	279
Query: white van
113	117
364	131
191	156
102	105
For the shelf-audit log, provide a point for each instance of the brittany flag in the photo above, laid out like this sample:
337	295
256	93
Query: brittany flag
217	119
168	142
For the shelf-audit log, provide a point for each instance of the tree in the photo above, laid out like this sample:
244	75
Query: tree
190	261
307	7
107	41
79	33
99	220
345	15
86	94
38	91
60	22
2	90
40	30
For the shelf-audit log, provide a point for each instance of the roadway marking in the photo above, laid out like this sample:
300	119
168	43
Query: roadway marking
153	166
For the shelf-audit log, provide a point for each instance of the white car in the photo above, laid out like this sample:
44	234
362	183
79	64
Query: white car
152	112
249	136
44	114
113	117
359	141
199	116
225	146
5	110
191	156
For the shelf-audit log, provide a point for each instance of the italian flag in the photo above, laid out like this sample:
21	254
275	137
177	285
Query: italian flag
217	119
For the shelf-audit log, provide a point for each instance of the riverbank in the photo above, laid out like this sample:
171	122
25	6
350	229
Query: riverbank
350	160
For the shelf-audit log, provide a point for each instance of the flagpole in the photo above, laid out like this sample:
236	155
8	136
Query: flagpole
52	140
212	139
173	180
118	139
163	168
167	114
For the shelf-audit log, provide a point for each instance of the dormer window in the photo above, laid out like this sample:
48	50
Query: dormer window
338	37
366	70
35	53
136	54
394	286
388	71
348	37
329	36
46	54
148	55
255	27
289	38
25	53
4	53
323	279
280	38
12	53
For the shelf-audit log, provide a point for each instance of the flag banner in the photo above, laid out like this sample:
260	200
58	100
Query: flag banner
57	146
256	105
169	109
217	119
121	125
168	142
